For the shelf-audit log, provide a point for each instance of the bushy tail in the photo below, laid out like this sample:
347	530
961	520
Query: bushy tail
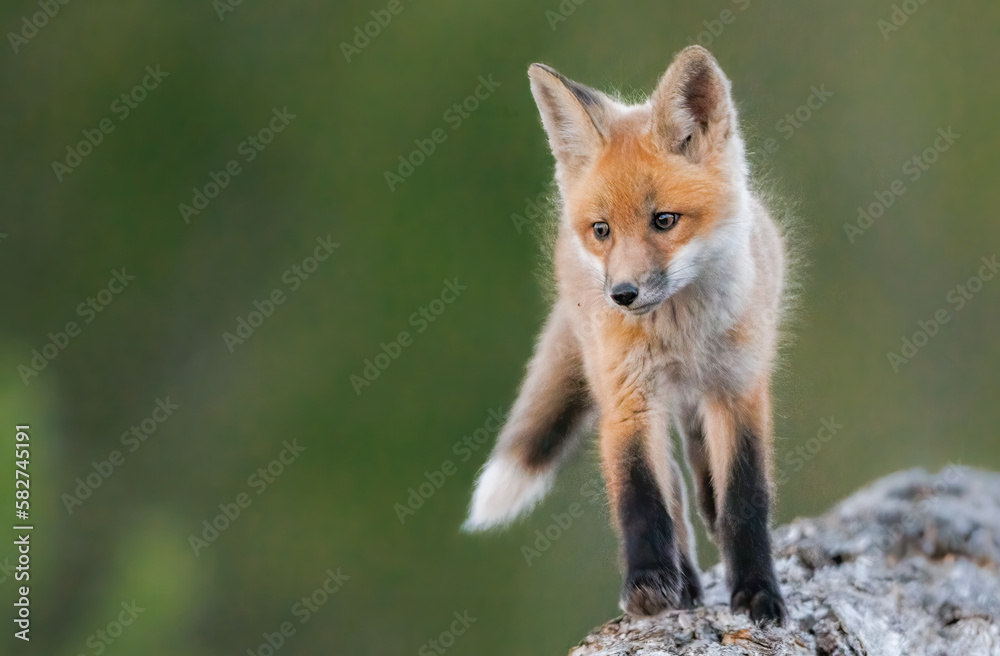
551	411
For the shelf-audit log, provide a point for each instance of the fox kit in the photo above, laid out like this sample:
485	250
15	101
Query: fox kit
670	275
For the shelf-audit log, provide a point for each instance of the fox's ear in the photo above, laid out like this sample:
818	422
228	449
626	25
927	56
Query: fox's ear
693	110
574	116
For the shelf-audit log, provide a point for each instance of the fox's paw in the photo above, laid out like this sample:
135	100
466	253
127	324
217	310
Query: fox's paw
649	591
762	600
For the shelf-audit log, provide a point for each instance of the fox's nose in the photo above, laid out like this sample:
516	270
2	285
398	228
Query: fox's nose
624	293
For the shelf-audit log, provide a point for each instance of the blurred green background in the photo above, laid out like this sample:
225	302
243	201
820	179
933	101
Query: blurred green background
334	506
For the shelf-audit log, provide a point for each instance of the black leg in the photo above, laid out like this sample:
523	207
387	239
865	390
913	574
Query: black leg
653	580
744	536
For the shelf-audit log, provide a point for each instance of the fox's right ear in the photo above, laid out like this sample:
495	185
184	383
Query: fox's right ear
575	118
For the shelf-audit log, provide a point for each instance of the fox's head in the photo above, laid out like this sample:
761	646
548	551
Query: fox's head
653	194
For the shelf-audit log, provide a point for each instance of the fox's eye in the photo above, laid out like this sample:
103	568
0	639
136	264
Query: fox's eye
665	220
602	230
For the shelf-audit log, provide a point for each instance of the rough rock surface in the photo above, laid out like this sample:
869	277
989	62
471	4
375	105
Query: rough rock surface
907	566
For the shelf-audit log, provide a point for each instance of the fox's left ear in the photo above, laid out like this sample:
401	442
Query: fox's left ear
693	112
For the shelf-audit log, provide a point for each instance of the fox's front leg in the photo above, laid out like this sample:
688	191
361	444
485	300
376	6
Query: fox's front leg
550	412
657	574
738	436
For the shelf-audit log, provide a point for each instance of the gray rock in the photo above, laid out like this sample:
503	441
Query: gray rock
907	566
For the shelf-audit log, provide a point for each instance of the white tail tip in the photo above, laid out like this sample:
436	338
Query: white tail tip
505	490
